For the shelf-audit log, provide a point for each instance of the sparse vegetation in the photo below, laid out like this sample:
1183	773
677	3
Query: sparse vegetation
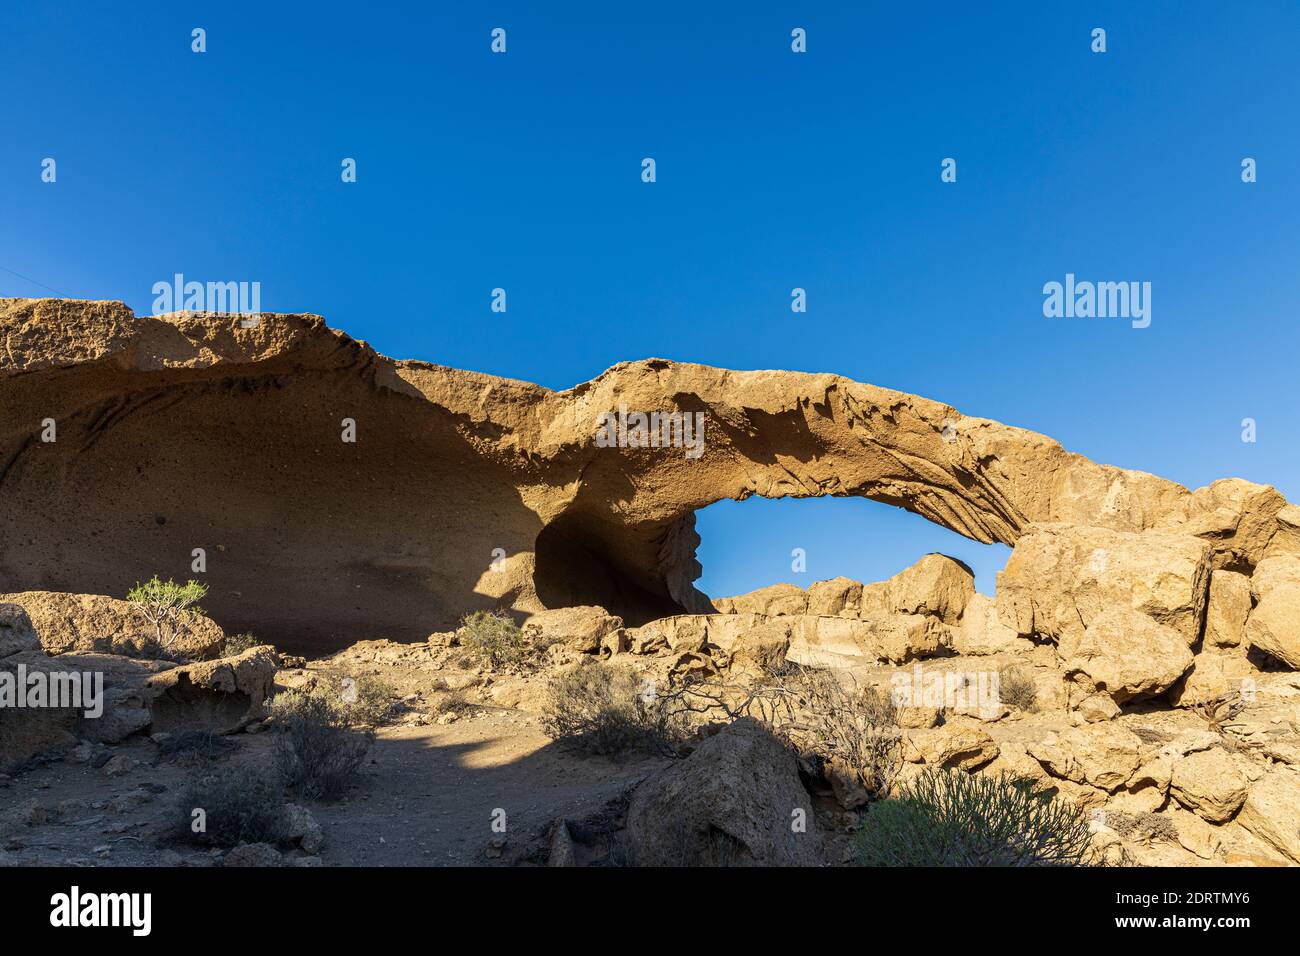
367	701
952	818
1221	712
194	747
854	728
603	709
1142	827
318	749
228	809
493	637
452	702
170	607
236	644
1151	735
1017	689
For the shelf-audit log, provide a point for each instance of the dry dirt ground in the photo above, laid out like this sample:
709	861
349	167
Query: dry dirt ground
431	792
427	797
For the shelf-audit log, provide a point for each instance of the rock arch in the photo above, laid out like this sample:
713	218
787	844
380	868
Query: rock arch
191	430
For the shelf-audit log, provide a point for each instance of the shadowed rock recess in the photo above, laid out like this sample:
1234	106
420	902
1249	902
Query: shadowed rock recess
191	431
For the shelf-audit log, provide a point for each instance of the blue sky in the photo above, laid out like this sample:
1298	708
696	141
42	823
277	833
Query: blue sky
775	170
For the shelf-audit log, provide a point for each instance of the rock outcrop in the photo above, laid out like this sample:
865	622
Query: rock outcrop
96	622
736	801
1274	624
464	491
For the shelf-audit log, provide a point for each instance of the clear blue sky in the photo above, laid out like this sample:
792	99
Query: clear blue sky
775	170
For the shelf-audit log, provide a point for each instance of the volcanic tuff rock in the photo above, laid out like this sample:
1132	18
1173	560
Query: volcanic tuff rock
94	622
732	802
16	631
192	431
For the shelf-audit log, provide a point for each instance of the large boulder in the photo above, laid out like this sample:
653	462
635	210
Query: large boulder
981	632
736	800
1286	537
936	585
120	707
16	631
837	641
1274	624
1060	577
761	649
1212	783
1125	654
1237	517
221	695
28	731
1103	755
95	622
770	601
1212	677
958	745
580	629
1227	609
838	597
1270	812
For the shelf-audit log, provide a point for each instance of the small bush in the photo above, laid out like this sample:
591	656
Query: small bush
194	747
452	702
952	818
317	750
602	709
1221	712
493	637
243	807
1142	827
1017	689
236	644
168	606
855	728
366	700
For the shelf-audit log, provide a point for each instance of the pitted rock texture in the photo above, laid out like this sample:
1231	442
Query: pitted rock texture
192	431
94	622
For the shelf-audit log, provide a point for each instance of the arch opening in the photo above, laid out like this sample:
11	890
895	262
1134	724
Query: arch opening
750	544
731	547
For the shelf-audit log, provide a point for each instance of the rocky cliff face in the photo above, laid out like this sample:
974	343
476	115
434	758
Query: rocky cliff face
463	490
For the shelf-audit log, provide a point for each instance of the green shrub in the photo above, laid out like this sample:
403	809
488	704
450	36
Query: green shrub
318	750
168	606
228	809
493	637
952	818
602	709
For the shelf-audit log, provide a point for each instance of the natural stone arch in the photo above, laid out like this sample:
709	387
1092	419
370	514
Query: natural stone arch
783	434
227	428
